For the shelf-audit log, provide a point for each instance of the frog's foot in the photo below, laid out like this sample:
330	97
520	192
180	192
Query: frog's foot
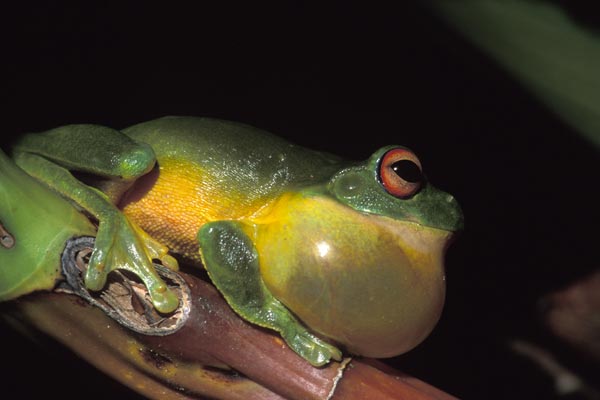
124	298
122	245
311	348
231	260
308	346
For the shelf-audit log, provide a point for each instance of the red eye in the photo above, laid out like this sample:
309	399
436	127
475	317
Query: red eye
400	173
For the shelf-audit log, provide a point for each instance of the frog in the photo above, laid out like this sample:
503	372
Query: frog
333	255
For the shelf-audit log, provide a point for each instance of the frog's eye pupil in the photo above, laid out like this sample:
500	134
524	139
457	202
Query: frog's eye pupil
400	173
408	170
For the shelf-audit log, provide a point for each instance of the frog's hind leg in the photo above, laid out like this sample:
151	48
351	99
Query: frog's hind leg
104	152
231	260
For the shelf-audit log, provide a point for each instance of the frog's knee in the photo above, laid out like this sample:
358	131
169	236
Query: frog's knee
137	162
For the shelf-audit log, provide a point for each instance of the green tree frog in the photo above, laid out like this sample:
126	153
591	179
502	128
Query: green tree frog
329	253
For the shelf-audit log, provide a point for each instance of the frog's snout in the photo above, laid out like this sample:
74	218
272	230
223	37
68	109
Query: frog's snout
439	210
456	214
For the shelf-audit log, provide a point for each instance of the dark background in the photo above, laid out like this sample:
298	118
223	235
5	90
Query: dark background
345	78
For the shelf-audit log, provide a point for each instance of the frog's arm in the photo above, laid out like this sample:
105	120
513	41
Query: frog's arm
108	153
231	260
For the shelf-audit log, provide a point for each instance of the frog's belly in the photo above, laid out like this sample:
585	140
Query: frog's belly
173	201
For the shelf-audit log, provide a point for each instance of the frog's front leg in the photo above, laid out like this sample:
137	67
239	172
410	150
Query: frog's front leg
232	263
103	152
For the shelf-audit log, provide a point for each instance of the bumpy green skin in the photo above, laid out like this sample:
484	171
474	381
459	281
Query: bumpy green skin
357	239
39	223
237	157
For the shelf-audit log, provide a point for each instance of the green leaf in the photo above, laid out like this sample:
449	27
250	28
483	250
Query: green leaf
547	51
37	223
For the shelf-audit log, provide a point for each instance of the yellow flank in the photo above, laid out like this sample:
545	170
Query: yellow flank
180	201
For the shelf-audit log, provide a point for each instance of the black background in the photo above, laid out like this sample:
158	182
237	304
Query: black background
345	78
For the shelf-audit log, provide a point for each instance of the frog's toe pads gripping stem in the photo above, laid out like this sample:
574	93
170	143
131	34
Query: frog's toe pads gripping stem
125	298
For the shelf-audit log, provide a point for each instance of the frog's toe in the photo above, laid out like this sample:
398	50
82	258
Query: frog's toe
155	249
96	273
163	299
314	350
169	261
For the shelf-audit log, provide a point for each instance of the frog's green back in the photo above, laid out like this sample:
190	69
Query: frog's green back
240	155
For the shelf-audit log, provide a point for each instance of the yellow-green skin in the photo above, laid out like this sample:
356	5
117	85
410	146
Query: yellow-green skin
274	223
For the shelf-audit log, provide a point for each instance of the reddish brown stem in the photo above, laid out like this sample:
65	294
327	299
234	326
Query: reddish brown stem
212	339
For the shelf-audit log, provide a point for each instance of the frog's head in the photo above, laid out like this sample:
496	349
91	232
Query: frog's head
392	184
363	263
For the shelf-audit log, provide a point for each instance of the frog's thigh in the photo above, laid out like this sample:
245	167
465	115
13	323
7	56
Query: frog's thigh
232	263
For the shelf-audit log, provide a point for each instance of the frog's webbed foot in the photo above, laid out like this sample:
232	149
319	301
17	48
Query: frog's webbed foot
120	244
308	346
231	260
